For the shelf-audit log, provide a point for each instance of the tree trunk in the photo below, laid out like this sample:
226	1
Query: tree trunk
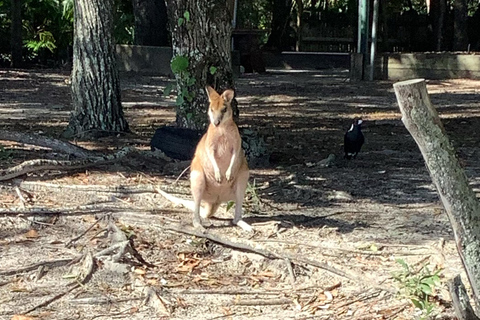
95	82
298	45
438	10
201	41
459	200
150	22
278	38
16	33
460	38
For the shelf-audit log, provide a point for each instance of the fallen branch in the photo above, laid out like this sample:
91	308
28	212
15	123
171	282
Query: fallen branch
51	264
62	165
256	302
50	143
115	189
88	268
152	221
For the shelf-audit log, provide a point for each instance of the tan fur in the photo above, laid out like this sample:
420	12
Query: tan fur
219	170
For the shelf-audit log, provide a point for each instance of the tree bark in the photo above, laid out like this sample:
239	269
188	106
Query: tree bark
280	24
460	39
298	45
16	33
201	33
461	205
95	82
150	22
438	11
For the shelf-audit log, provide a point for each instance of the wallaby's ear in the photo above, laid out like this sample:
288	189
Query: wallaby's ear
228	95
211	93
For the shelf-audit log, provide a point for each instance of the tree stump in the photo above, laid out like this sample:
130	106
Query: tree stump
460	203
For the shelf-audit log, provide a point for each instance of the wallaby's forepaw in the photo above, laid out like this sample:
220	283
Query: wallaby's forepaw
245	226
218	176
228	175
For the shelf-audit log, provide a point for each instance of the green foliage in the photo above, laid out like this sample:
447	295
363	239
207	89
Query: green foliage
418	286
185	19
45	41
213	70
5	154
48	27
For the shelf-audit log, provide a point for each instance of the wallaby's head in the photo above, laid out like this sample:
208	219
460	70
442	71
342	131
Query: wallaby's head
220	108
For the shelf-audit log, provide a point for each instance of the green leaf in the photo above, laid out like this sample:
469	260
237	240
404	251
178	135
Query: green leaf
168	89
180	22
189	116
179	64
191	81
230	205
403	264
417	303
426	289
186	15
213	70
180	100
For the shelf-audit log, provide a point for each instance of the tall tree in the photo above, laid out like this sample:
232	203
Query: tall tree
460	15
278	38
201	41
438	12
16	33
95	82
150	22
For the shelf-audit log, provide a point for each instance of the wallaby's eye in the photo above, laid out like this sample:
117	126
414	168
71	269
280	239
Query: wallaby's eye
224	109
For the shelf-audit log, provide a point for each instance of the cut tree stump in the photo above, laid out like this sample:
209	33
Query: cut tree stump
461	205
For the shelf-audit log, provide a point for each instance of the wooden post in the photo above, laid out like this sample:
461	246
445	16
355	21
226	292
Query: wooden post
460	203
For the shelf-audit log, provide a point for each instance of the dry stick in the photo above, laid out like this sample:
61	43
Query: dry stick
149	220
45	164
53	263
229	292
123	189
459	200
89	268
371	253
54	144
52	299
256	302
69	243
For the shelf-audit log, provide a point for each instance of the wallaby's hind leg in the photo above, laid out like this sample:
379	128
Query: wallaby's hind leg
241	186
197	184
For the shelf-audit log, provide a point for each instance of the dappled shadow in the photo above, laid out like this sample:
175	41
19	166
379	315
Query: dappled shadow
303	117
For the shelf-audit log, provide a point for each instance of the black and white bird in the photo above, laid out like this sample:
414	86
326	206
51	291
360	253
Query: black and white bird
354	139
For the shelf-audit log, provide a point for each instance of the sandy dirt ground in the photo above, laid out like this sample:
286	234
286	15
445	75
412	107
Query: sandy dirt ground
100	242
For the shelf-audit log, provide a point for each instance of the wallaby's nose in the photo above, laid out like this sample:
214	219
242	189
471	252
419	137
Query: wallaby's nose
216	122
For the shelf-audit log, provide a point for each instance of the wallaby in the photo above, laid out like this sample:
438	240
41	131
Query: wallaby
219	170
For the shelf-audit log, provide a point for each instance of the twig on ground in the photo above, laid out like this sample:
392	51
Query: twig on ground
50	143
51	264
290	271
150	221
181	174
52	299
257	302
69	243
228	315
228	292
20	196
119	189
354	251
